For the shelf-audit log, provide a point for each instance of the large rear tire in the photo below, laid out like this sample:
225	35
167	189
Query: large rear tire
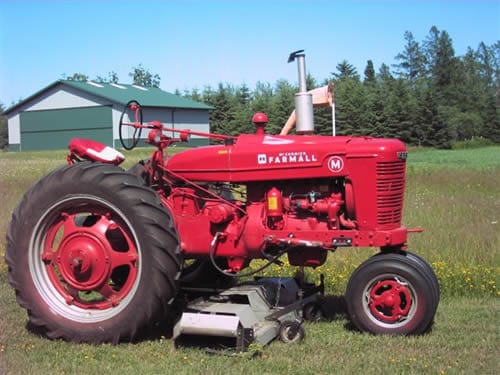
93	255
391	294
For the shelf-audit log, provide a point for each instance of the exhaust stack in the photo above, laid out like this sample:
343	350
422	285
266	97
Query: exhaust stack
303	99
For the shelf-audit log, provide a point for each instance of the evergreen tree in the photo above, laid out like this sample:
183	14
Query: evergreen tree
369	73
241	112
261	98
491	120
283	104
486	66
430	49
412	59
195	95
436	98
399	112
444	65
345	70
351	108
222	115
384	73
426	116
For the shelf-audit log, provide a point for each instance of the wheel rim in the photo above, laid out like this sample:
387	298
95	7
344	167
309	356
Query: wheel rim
290	333
390	300
84	259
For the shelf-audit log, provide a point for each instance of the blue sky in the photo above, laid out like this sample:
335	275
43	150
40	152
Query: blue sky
192	44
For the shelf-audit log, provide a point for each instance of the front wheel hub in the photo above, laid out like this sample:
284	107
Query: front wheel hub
390	300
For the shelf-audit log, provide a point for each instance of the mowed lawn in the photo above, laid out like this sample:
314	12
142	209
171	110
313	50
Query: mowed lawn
453	195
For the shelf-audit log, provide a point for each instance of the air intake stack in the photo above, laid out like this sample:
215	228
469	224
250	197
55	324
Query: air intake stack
303	99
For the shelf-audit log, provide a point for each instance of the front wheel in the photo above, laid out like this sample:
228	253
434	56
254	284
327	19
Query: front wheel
391	294
93	255
291	332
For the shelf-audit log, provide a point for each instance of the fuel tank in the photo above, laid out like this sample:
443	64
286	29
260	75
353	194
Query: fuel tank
274	157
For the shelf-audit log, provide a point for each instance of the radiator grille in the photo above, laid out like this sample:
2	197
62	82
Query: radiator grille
390	192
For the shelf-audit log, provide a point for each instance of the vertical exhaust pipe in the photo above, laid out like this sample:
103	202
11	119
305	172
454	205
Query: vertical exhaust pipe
303	99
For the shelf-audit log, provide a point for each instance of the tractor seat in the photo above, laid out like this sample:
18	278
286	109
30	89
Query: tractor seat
95	151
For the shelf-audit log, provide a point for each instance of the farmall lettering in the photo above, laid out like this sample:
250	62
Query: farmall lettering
293	157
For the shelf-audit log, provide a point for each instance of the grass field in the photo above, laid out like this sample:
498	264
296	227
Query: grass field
454	195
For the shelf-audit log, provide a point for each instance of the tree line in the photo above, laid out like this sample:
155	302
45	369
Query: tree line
430	97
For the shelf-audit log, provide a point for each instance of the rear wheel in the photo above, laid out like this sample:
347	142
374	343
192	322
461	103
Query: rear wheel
391	294
93	255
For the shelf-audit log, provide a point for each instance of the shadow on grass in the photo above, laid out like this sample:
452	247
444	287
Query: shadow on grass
332	307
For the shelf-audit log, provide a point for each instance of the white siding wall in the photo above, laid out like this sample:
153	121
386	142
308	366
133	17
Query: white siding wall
64	97
14	130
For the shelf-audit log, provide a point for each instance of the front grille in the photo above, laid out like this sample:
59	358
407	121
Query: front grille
390	192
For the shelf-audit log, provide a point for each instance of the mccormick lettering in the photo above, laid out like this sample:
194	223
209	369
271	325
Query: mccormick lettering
287	158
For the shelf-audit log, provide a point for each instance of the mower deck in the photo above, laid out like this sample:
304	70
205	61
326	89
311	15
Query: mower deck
256	312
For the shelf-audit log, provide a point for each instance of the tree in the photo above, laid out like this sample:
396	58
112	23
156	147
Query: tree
430	48
412	59
369	73
261	98
351	107
241	112
384	73
491	119
433	98
4	131
399	111
143	77
112	78
282	106
79	77
444	65
426	117
486	66
221	116
345	70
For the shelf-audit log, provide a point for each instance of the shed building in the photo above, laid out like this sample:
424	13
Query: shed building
48	119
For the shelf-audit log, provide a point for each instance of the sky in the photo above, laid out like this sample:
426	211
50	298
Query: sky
193	44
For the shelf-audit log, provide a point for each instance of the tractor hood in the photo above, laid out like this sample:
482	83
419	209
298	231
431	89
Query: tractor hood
274	157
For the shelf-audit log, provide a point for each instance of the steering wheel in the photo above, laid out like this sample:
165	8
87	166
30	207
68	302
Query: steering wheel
130	143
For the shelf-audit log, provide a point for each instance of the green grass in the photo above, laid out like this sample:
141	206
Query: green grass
464	340
479	158
454	195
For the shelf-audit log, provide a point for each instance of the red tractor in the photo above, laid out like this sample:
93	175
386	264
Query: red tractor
98	254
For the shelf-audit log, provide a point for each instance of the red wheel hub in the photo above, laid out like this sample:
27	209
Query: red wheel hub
390	301
84	261
97	258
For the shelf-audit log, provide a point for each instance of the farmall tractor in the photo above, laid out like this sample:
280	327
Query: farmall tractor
97	253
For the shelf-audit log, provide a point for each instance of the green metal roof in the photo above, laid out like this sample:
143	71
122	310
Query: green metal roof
122	94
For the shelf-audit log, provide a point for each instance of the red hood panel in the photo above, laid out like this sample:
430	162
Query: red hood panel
274	157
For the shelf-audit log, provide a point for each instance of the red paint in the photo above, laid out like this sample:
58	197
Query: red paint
311	193
87	257
92	150
260	120
390	301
